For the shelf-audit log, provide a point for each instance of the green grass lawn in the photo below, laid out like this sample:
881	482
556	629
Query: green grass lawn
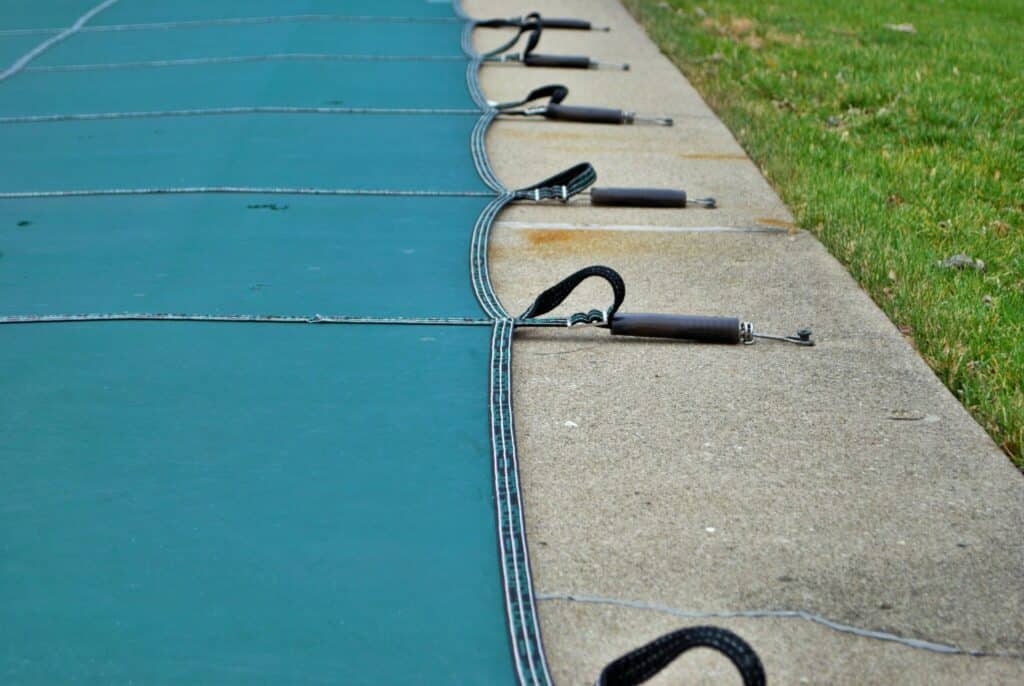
898	147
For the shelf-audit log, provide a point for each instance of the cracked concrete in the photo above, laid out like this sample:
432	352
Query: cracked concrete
707	478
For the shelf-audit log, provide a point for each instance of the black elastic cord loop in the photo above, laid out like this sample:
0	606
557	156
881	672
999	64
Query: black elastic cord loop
532	19
554	296
531	27
528	58
561	186
644	662
510	23
555	93
499	23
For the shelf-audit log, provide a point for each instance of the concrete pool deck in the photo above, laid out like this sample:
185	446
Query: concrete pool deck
843	483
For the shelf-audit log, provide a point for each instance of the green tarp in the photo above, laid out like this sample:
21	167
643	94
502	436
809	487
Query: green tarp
223	502
228	254
310	83
261	150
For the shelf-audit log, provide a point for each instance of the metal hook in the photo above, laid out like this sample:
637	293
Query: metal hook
594	64
634	118
748	336
802	337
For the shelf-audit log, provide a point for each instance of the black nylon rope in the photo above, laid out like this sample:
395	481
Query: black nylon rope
554	296
511	22
561	186
643	663
530	27
555	93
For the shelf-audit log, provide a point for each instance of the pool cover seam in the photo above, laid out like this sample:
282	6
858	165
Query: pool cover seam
57	318
221	111
506	540
242	318
525	635
19	64
64	317
468	52
233	21
244	59
530	598
240	190
520	601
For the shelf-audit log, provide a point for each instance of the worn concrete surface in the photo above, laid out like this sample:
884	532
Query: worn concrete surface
843	480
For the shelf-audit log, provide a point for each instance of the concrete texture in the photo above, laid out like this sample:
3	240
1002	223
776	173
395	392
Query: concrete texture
842	480
793	652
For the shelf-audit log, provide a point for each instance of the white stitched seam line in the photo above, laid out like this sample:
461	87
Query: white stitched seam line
916	643
240	190
478	258
502	399
35	52
481	262
243	59
506	396
522	521
219	111
500	510
233	21
482	286
240	318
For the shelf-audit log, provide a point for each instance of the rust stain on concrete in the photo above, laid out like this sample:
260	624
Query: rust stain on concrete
568	242
609	138
539	237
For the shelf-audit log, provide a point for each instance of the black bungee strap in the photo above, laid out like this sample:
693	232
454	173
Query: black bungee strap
556	295
554	92
561	186
574	180
545	22
532	27
643	663
555	110
705	329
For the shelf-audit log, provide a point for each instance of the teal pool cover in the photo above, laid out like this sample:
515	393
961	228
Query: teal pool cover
255	395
